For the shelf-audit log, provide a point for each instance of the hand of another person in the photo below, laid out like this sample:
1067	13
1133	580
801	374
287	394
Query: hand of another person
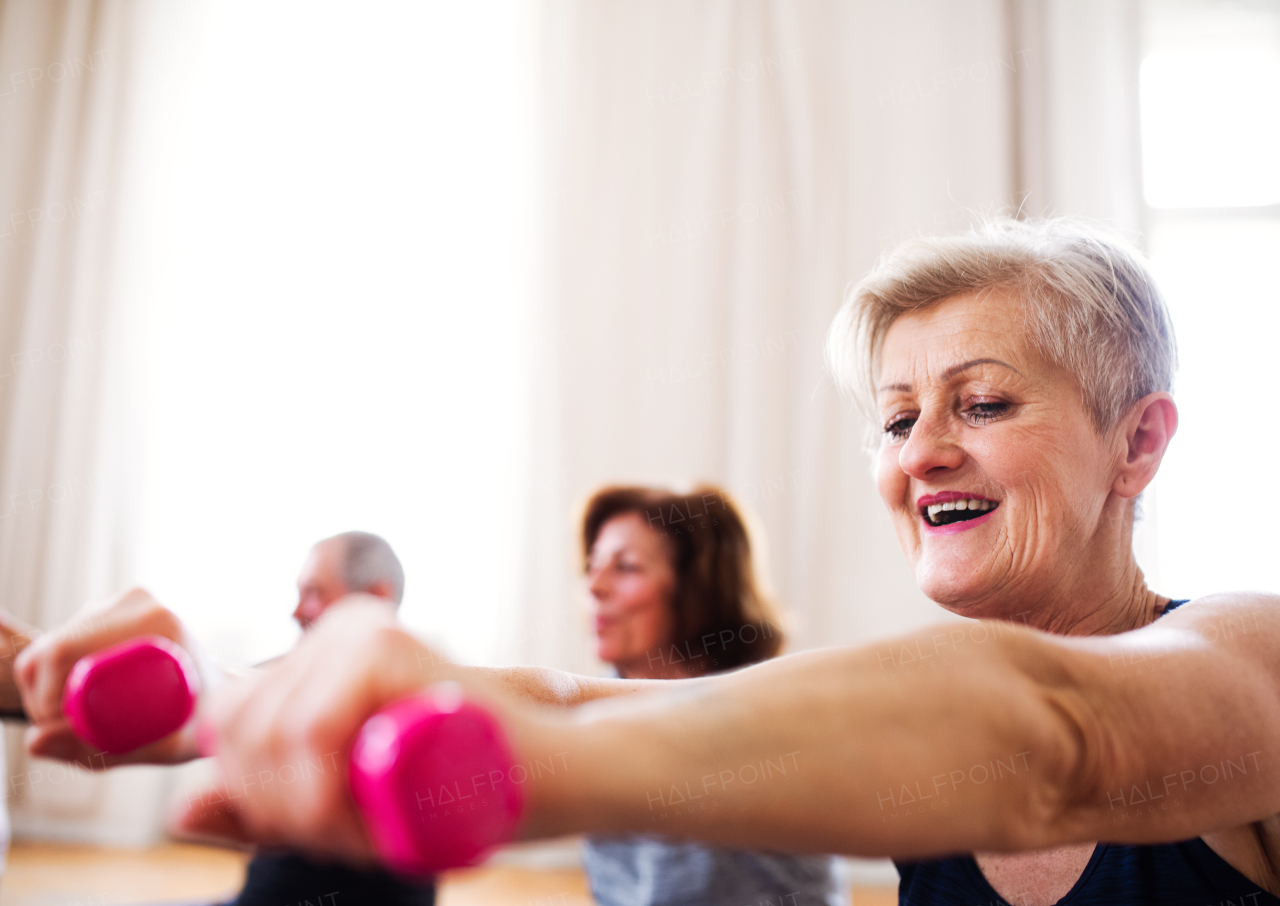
42	668
283	735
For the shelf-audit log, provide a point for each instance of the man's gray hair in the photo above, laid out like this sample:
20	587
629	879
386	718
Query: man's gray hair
1090	306
367	560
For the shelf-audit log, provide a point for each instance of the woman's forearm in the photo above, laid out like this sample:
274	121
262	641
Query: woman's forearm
847	750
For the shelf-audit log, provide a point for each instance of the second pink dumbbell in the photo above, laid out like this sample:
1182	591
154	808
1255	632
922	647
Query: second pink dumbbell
131	695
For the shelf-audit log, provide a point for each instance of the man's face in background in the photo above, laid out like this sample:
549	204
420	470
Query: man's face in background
320	583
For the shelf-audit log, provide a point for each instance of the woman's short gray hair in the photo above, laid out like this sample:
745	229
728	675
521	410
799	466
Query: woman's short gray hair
1090	303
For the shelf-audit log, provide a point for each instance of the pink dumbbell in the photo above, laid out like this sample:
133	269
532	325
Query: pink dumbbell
131	695
432	777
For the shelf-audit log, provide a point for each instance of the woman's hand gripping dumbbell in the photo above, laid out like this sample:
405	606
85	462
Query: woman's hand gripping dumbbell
43	670
131	695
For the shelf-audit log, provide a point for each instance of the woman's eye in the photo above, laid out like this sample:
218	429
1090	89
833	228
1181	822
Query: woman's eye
899	428
983	413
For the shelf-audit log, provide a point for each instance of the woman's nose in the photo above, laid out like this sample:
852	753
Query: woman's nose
931	445
598	583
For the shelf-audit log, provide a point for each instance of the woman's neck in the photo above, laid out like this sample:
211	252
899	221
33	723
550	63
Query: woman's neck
1101	607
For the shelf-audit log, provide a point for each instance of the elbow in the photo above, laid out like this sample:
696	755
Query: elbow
1068	778
1072	749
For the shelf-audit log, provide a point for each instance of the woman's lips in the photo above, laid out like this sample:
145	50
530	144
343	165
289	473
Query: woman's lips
941	512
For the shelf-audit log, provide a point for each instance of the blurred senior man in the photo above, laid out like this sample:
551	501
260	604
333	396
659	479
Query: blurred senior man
350	563
347	564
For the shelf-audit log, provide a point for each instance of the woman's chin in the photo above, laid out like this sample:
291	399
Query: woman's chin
952	586
606	653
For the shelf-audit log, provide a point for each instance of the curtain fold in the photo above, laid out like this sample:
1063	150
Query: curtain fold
68	449
1077	120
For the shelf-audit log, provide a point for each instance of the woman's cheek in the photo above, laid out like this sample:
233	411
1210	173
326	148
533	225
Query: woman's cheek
634	597
891	481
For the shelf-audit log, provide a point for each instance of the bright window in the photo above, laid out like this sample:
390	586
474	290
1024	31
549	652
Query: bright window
1210	87
1211	126
334	335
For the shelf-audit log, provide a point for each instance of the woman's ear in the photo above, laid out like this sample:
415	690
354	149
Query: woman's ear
1147	430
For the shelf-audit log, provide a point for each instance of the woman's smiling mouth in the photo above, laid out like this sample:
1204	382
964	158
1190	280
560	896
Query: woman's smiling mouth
950	507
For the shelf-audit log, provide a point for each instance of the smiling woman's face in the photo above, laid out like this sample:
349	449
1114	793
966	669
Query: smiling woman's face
630	582
998	484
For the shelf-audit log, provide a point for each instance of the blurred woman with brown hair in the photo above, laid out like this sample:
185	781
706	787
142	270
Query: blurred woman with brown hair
674	594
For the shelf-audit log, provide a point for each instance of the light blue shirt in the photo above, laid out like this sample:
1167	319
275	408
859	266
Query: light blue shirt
649	870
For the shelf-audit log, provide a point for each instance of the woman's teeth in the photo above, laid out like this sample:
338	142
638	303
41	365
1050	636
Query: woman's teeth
957	510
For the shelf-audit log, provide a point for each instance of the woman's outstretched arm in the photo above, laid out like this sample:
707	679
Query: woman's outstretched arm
976	736
982	736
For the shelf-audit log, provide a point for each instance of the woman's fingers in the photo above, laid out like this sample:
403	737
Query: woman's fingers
41	672
56	740
59	742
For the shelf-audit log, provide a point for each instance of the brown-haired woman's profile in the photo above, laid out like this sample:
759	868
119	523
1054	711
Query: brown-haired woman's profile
718	618
675	594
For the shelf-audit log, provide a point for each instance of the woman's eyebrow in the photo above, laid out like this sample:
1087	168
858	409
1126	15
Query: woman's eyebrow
950	373
895	388
965	366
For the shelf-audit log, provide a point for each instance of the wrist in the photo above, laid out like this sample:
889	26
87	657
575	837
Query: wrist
15	636
560	777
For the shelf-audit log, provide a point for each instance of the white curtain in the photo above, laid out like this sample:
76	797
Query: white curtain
714	174
1076	113
68	454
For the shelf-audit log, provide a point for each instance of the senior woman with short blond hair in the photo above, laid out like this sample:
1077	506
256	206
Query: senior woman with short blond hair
1090	741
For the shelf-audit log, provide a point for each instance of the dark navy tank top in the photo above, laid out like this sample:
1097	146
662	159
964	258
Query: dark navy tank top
1169	874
